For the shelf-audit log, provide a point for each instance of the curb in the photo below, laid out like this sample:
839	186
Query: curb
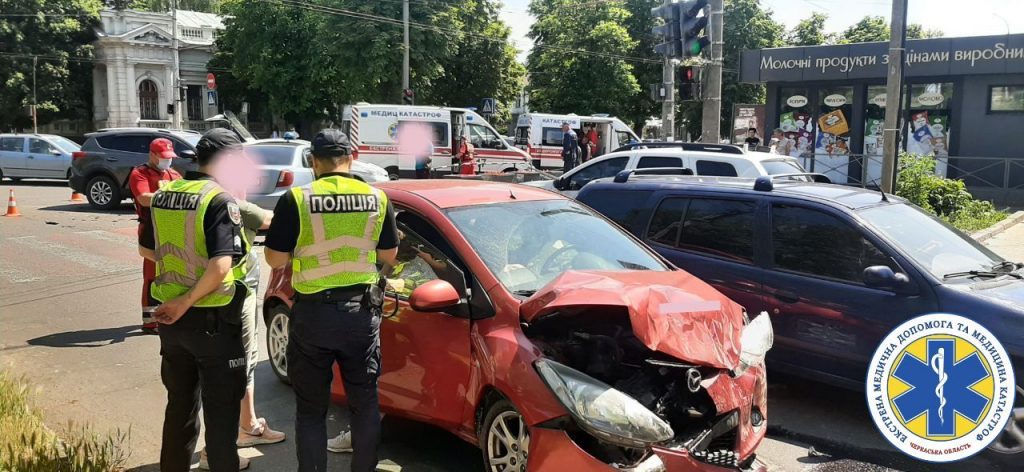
999	227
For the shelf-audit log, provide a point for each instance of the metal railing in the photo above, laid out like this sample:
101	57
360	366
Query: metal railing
1000	179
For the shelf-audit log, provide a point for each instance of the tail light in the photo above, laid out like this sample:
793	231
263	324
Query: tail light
355	154
77	154
286	179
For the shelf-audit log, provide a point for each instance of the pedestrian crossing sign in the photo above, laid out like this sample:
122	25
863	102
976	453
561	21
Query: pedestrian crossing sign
488	108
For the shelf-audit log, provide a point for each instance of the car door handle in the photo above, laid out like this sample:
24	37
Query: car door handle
112	159
786	297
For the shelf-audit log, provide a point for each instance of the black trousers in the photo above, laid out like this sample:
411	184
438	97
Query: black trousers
320	334
203	360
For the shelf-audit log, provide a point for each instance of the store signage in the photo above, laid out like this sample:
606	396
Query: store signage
796	101
930	98
835	100
879	100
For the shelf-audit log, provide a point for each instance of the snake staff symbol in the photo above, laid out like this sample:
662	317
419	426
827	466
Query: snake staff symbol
938	364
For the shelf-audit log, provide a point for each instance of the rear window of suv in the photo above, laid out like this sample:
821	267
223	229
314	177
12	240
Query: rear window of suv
720	228
138	143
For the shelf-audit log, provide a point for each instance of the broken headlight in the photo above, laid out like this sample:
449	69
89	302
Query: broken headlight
602	411
756	340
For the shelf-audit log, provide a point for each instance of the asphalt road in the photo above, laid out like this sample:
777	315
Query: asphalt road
70	280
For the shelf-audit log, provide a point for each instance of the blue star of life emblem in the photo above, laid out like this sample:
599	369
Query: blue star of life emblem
940	387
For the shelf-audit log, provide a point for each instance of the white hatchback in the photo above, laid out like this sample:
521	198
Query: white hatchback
713	160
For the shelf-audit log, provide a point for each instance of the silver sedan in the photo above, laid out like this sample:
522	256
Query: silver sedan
284	164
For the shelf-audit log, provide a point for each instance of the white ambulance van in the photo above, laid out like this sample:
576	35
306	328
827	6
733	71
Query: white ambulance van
373	130
540	135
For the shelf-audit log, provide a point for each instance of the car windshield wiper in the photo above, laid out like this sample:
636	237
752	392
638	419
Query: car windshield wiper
524	293
979	273
1006	266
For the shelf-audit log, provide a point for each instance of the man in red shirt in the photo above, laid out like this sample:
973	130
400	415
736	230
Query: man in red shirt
144	181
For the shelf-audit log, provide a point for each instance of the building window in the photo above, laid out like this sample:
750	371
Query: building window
149	100
1006	98
929	121
794	118
194	102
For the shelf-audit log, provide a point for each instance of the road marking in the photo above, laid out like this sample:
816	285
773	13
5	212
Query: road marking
108	236
16	275
99	263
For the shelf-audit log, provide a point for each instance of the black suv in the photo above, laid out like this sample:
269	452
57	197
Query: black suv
835	267
100	170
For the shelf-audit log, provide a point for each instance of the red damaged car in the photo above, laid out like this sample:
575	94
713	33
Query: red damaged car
529	325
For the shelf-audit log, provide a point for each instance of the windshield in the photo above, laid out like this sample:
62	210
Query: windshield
65	144
782	166
190	138
929	241
273	155
527	244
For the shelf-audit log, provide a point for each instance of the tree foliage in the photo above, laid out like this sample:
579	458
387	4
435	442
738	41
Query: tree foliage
810	31
876	28
639	26
306	61
64	67
208	6
581	62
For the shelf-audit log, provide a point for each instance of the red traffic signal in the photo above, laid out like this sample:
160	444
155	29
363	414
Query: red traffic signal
407	96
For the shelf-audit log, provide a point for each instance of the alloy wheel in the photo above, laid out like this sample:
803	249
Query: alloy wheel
277	342
1011	440
508	443
101	192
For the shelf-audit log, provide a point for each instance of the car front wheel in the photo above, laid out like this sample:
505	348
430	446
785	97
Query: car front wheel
103	193
277	319
1010	444
505	440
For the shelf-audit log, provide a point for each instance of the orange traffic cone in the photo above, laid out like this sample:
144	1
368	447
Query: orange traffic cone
77	197
12	206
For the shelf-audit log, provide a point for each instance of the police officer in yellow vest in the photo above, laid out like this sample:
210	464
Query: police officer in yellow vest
199	248
334	232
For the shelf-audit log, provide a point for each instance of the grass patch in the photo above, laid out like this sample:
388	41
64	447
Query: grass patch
27	445
946	198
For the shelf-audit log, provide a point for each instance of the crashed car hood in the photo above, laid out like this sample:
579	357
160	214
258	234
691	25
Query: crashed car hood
673	312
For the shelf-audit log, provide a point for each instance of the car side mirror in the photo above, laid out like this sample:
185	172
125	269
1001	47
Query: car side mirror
436	295
188	154
559	183
883	277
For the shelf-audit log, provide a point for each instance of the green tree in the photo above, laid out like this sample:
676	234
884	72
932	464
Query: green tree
747	25
208	6
580	61
916	31
64	59
810	31
639	26
876	28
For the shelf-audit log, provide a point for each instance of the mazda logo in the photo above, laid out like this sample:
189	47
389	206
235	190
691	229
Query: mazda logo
693	379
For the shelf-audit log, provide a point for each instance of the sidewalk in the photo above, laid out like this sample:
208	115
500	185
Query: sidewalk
1009	243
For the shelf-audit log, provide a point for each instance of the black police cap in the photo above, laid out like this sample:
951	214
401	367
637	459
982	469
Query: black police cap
331	142
214	141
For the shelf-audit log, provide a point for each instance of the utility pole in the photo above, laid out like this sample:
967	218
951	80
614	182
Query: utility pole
893	94
405	44
176	94
35	104
712	117
668	104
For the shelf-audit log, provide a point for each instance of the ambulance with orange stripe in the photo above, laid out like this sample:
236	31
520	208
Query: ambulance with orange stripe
374	130
540	135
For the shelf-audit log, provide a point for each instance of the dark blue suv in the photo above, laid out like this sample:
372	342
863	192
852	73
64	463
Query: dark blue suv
836	267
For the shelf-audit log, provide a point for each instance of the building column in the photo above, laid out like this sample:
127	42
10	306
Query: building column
133	94
171	93
114	117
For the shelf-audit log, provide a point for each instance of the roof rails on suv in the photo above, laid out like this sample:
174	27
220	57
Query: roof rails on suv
145	129
764	183
623	176
706	147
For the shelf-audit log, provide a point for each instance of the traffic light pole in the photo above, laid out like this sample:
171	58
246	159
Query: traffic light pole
668	104
712	117
405	44
893	95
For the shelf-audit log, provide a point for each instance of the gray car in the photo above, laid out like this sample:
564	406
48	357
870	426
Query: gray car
101	169
36	156
284	164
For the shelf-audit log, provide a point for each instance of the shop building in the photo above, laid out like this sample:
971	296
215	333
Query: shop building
963	102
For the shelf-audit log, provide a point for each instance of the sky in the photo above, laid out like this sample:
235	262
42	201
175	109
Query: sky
984	17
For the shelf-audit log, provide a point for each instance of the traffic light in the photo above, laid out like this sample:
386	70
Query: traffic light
692	27
408	97
668	31
689	84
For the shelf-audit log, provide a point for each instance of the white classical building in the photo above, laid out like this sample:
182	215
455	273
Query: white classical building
133	80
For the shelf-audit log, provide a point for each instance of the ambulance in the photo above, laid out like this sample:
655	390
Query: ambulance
373	130
540	135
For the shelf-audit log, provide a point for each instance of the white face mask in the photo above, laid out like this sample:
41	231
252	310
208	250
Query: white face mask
163	164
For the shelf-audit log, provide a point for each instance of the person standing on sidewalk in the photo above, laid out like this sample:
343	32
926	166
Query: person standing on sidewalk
232	173
334	232
199	248
143	182
570	148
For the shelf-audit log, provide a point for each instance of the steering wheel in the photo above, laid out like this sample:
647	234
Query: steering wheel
547	268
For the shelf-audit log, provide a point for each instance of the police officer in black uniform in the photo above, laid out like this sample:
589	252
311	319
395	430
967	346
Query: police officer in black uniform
336	315
203	357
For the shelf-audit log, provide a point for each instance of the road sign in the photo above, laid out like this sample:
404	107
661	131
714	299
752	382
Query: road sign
488	108
211	97
211	81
